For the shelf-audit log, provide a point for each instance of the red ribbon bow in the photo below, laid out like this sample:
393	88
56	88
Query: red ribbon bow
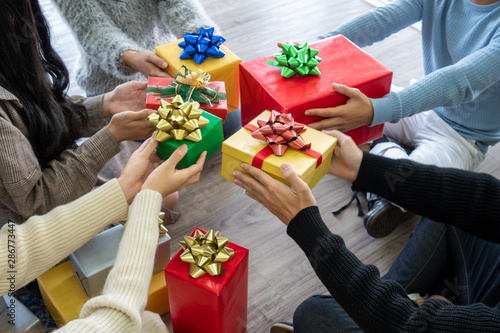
281	132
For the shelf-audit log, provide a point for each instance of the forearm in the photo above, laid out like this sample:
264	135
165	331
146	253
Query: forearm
43	241
465	199
377	305
379	23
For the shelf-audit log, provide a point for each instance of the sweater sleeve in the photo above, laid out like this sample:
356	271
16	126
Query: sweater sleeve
449	86
31	248
378	305
465	199
96	120
121	305
99	37
27	189
183	16
379	23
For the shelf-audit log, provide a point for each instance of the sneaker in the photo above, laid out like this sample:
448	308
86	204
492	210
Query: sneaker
382	218
282	328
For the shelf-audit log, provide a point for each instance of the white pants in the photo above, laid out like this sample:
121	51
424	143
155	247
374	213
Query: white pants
433	140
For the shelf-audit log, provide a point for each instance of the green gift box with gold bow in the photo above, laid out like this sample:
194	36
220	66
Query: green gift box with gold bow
179	123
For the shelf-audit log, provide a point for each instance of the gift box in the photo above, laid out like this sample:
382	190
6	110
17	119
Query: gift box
62	295
157	84
264	88
92	262
220	69
64	298
16	317
209	304
211	140
241	147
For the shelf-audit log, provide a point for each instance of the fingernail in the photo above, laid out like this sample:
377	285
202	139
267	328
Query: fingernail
335	85
164	64
284	166
184	147
307	113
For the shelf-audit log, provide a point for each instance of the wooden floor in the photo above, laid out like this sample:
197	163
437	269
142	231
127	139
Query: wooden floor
280	277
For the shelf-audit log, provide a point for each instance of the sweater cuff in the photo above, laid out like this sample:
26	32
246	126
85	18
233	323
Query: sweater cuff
307	227
386	109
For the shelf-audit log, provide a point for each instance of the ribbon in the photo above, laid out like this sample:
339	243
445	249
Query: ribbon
162	230
201	45
280	132
296	60
205	253
178	120
191	86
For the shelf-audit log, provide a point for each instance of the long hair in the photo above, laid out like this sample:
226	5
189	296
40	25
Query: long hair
32	71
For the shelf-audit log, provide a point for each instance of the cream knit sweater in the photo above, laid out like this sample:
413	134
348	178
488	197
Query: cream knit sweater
31	248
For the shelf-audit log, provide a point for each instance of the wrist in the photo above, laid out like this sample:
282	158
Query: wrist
107	101
127	58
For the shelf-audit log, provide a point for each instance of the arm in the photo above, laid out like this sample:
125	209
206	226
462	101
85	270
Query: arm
449	86
43	241
465	199
380	22
184	16
378	305
100	38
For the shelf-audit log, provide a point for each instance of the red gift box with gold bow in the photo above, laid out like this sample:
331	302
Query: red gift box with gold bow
200	302
264	88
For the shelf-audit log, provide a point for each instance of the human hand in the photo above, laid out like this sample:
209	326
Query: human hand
166	179
346	157
146	62
283	201
356	112
131	125
139	166
280	44
129	96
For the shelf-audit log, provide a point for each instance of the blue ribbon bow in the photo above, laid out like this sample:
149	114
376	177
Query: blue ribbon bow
201	45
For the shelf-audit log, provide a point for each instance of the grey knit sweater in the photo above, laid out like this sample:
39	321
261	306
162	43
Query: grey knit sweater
105	29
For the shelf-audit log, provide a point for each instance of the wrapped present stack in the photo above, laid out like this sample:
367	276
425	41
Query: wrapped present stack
192	87
66	287
204	50
273	138
305	79
179	123
208	284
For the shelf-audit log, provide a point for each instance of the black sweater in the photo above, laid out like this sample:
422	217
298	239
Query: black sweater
470	201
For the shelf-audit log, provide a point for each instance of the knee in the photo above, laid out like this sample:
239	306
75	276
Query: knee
306	314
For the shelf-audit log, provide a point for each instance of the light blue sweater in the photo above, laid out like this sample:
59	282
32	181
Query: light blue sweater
461	49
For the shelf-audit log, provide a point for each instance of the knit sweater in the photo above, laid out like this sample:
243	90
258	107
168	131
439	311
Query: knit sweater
106	29
461	43
26	188
470	201
42	241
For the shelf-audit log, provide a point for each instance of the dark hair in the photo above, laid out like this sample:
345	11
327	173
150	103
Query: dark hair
32	71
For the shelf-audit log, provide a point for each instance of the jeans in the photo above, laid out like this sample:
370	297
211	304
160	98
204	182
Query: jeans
438	259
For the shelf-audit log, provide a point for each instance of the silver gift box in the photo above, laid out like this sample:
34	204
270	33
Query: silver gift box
92	262
16	317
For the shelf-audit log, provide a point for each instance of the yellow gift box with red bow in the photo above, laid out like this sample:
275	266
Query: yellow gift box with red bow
242	147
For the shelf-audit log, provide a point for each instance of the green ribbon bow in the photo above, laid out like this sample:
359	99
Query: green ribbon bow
297	60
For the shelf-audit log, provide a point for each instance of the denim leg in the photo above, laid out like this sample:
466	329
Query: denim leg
475	269
424	260
321	313
232	123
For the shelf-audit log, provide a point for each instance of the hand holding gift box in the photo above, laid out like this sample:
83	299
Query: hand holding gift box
209	304
308	152
220	69
191	86
179	123
264	88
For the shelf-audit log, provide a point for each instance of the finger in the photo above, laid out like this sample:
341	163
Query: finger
159	62
140	85
293	178
344	90
258	174
138	115
176	157
322	112
249	183
341	137
194	169
325	124
155	71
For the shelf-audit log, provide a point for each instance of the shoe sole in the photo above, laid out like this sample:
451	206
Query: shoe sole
281	328
382	222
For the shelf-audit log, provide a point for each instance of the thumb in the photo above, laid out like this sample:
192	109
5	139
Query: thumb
344	90
176	156
158	61
292	177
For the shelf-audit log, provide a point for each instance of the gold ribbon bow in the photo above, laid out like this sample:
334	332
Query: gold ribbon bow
162	230
178	120
205	253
